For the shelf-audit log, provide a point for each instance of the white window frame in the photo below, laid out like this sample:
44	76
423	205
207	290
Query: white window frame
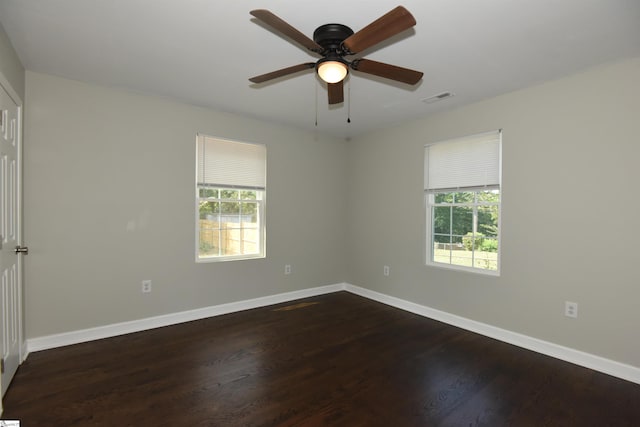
234	180
473	185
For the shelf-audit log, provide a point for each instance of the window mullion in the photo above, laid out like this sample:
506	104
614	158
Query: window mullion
240	224
451	233
475	233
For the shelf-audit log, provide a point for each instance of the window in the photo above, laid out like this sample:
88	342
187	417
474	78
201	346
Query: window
462	191
230	194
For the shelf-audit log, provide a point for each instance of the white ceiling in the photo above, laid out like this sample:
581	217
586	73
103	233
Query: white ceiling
203	51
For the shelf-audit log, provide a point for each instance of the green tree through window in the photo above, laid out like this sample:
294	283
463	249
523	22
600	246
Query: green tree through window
465	228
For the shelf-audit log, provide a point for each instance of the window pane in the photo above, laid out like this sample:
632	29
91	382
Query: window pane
442	238
490	196
209	234
471	241
229	194
453	239
248	195
462	258
250	240
443	197
442	219
464	197
489	245
462	220
231	241
488	220
229	228
209	210
486	260
230	208
459	254
249	214
208	192
442	252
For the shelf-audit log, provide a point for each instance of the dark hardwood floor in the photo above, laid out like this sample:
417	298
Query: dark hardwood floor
338	360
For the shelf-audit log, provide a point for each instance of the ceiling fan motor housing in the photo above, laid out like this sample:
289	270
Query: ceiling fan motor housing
330	37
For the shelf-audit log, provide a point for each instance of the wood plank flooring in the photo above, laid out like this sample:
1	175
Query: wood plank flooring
333	360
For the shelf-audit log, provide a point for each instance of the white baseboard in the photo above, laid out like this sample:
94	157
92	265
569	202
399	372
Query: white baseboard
577	357
107	331
587	360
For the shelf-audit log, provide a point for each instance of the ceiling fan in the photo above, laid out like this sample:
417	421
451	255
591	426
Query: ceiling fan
334	42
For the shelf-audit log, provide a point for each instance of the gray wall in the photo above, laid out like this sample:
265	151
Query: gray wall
10	65
569	214
110	201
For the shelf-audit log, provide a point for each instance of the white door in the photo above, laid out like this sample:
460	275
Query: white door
10	251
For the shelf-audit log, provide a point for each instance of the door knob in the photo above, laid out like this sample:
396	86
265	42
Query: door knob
22	250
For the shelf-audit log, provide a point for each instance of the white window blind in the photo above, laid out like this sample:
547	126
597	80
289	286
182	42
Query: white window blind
466	163
223	163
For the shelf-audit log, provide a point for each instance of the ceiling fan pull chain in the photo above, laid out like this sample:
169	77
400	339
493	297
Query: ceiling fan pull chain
316	87
349	101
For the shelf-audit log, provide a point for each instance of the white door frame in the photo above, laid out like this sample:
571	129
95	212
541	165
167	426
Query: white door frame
4	83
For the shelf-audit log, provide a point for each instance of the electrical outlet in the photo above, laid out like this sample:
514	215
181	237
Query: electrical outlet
571	309
385	270
146	286
287	269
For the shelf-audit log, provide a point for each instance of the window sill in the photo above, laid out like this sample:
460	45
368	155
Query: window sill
494	273
205	260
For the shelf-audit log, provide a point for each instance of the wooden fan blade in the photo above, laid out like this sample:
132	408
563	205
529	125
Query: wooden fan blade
336	92
387	71
388	25
283	27
283	72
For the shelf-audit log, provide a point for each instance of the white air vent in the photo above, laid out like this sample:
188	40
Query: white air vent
438	97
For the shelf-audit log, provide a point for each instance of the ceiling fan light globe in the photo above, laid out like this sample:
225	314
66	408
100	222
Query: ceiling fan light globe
332	71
